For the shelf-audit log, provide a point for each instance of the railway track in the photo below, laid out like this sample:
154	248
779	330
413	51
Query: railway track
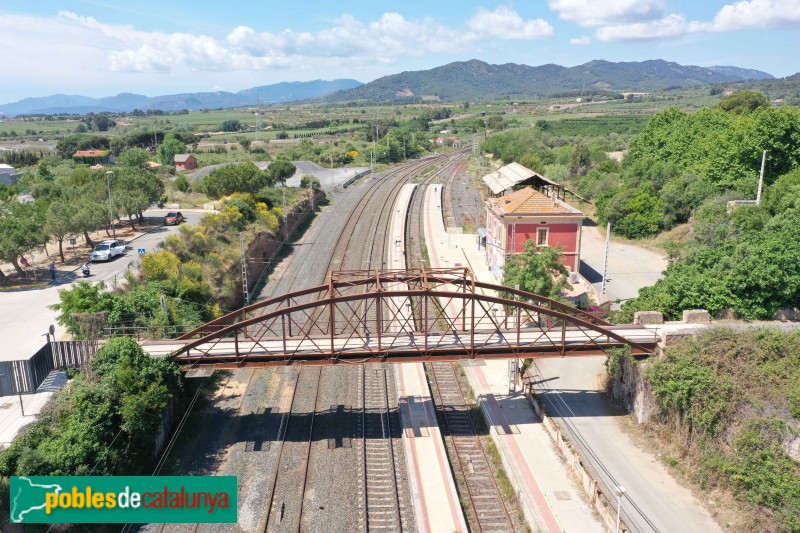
386	503
481	498
285	506
382	506
487	511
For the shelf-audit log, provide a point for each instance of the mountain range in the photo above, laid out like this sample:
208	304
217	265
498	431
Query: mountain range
455	82
124	102
476	80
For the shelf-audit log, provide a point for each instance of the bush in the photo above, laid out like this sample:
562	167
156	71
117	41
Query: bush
633	213
310	181
231	125
104	421
182	184
723	397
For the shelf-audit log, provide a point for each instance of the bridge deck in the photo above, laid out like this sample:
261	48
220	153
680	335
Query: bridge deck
404	347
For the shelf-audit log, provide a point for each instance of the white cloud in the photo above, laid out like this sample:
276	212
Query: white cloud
756	14
585	39
743	15
346	41
589	13
668	27
505	23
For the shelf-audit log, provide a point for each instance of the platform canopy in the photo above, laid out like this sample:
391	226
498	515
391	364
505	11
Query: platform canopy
508	176
504	179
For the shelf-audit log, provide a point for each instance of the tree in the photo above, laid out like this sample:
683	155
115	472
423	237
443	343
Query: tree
538	272
244	177
581	160
59	222
743	102
134	157
309	181
245	143
134	190
21	230
681	196
632	212
281	170
167	149
231	125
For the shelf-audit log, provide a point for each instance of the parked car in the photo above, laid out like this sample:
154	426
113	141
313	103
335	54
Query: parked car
107	250
173	218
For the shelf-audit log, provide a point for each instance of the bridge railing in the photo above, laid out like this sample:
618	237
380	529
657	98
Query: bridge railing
408	322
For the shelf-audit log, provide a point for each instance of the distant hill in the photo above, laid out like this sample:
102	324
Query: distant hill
124	102
476	80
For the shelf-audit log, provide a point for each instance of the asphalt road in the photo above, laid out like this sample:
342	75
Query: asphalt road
654	501
630	267
572	390
25	314
115	269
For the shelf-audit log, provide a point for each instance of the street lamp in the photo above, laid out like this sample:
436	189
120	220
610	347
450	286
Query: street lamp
110	205
620	490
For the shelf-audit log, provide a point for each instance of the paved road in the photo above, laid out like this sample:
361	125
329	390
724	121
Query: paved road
572	391
25	314
115	269
630	267
655	501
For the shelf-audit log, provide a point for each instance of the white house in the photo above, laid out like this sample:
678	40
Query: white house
9	175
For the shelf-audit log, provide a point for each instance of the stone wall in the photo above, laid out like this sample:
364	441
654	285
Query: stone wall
631	390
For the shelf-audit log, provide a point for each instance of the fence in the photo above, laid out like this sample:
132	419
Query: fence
24	377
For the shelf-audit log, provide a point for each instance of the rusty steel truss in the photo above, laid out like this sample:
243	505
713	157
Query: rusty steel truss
400	316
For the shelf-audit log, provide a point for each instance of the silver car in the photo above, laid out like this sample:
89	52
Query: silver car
107	250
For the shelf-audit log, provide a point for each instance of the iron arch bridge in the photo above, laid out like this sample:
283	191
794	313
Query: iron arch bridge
400	316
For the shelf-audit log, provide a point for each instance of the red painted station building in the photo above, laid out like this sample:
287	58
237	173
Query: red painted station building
527	214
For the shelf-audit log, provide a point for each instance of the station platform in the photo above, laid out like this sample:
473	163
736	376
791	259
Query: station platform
550	498
433	491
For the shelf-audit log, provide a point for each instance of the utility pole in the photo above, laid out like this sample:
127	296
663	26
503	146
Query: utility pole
761	178
333	183
245	289
311	193
605	262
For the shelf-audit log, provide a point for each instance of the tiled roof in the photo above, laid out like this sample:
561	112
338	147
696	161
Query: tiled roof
529	201
90	153
182	158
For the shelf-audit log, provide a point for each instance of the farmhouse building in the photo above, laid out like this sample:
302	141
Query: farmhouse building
527	214
9	175
185	162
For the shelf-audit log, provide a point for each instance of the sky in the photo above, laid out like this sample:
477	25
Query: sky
104	47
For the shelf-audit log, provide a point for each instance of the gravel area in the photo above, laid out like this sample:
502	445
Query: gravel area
466	199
